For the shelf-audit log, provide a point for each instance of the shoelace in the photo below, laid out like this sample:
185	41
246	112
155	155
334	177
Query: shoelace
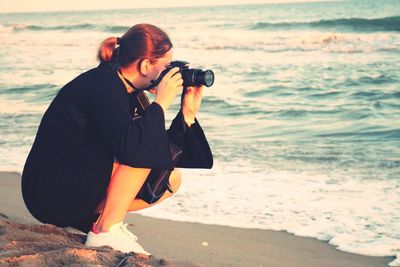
125	231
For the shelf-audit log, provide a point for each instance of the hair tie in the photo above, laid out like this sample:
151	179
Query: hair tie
118	40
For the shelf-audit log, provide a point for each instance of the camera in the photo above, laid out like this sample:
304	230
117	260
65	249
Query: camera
191	77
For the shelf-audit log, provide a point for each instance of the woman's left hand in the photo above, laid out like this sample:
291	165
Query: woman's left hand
191	103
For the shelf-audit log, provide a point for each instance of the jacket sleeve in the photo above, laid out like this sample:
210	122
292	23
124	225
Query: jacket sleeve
139	143
196	150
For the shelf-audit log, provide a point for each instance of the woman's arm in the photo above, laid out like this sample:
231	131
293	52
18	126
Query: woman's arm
196	150
140	143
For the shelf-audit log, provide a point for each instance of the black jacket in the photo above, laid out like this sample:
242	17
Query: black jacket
97	105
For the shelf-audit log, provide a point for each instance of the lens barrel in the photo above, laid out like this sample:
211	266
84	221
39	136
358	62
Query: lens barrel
197	77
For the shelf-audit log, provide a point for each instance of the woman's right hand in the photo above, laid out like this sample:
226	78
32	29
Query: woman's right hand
168	88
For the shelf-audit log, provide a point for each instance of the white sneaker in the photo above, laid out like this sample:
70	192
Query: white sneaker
118	237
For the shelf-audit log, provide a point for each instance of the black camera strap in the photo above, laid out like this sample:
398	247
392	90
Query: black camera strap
150	86
142	100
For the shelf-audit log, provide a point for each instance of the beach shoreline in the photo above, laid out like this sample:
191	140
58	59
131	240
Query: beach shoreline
209	245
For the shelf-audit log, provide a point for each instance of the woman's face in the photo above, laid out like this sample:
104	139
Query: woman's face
162	62
159	66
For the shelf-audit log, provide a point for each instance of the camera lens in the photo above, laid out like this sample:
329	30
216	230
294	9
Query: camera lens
208	78
203	77
196	77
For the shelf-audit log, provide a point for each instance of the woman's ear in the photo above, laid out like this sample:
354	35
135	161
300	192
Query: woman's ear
144	66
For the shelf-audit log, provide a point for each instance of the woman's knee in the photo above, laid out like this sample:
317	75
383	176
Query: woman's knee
115	167
175	180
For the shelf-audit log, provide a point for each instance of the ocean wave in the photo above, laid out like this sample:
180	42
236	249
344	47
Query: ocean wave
297	113
278	89
62	27
117	28
381	79
24	27
37	94
367	80
34	89
369	95
303	41
377	134
324	95
349	24
261	47
396	94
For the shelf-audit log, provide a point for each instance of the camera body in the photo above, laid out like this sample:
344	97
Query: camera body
191	77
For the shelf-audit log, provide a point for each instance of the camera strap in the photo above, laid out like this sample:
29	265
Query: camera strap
142	100
150	86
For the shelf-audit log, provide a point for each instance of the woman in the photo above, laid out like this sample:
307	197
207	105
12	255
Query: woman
90	158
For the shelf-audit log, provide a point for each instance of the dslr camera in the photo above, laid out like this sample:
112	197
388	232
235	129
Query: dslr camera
191	77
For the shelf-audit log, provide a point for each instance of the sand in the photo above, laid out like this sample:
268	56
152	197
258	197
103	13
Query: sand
171	243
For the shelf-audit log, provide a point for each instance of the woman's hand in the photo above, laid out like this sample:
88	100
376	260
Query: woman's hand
191	103
168	88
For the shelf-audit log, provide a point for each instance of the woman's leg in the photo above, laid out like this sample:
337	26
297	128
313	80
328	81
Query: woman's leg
124	186
175	182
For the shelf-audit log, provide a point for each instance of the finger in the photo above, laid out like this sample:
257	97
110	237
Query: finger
178	82
176	77
175	72
196	88
172	72
199	91
190	90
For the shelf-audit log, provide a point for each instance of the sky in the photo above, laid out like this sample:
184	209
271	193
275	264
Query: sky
63	5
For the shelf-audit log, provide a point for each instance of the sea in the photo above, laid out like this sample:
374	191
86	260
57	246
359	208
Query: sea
303	119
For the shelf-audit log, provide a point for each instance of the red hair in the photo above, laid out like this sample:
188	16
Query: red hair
140	41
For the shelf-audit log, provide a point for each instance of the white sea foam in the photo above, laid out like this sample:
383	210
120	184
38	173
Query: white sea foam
5	29
356	216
